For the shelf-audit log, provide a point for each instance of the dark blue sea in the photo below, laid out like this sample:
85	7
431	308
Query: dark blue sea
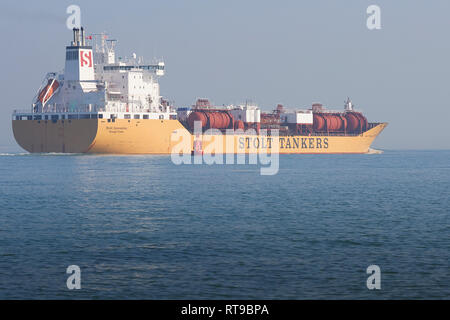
141	227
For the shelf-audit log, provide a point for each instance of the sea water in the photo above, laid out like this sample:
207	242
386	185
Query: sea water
141	227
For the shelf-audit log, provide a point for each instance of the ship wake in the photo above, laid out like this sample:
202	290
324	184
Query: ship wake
374	151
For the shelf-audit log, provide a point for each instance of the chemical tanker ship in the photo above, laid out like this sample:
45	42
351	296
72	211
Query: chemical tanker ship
103	104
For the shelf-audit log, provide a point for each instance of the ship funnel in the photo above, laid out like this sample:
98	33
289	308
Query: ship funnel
79	59
78	37
82	37
74	42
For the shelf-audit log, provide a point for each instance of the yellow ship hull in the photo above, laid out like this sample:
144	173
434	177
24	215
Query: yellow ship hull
166	136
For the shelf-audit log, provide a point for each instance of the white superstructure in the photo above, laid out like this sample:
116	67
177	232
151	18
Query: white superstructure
95	80
246	113
297	117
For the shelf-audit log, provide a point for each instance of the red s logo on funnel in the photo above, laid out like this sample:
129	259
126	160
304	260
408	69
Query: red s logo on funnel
86	58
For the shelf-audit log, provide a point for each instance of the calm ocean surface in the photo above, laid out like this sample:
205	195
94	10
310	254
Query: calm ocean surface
142	227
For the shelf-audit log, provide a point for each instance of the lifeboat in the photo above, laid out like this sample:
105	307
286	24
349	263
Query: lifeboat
47	92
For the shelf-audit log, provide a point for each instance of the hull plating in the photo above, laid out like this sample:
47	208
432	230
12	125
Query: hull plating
164	136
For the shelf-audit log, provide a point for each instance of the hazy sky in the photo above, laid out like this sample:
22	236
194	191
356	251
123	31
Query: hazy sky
289	52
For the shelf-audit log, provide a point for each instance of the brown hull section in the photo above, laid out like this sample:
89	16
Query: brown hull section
66	136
